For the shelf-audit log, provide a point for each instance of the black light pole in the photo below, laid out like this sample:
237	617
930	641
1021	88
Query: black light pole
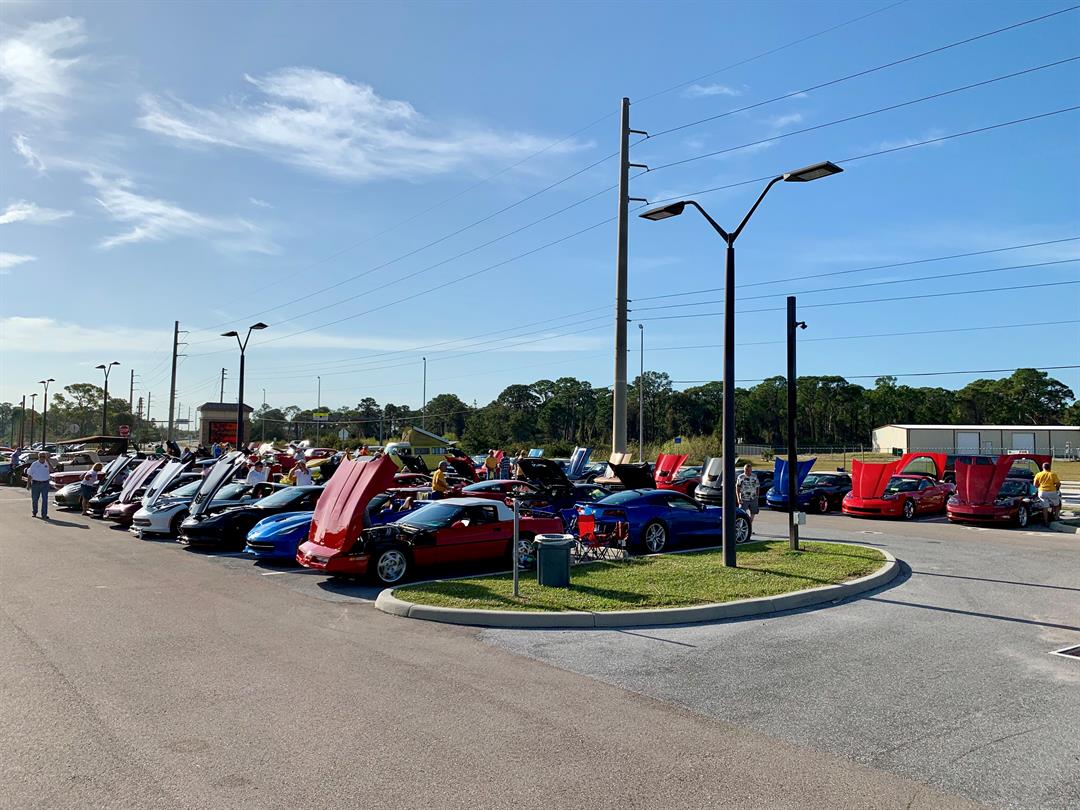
105	398
792	449
240	395
804	175
44	411
33	413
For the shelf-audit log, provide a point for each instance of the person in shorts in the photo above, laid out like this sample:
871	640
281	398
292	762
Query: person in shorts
88	486
1049	486
747	490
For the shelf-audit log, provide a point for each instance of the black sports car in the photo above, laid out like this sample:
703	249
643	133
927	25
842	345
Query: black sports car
820	492
228	527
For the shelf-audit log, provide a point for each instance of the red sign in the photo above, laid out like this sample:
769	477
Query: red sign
223	432
124	431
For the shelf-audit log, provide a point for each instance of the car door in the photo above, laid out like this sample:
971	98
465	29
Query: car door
476	534
924	497
686	518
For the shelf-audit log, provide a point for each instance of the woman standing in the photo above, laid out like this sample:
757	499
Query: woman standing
88	486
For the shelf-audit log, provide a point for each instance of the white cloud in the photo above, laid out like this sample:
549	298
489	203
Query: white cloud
28	334
259	203
22	147
903	143
34	77
155	220
23	211
9	260
707	90
781	121
327	124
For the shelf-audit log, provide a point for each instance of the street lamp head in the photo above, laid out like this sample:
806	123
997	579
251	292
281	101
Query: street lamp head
259	325
229	334
101	366
46	382
664	211
114	363
814	172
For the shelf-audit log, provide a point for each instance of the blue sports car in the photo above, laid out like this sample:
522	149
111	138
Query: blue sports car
659	518
819	492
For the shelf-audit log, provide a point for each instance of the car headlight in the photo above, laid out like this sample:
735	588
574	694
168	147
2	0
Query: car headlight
889	496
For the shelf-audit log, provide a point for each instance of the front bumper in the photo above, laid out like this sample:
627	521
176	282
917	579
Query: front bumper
261	550
334	563
872	507
979	514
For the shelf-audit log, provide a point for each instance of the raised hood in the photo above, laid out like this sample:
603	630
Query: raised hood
979	480
114	468
667	464
339	515
916	463
868	479
713	472
219	475
543	471
462	466
780	474
163	480
576	468
634	476
139	477
413	464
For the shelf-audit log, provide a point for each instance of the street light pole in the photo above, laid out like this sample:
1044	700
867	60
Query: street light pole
44	411
33	413
806	174
423	404
318	410
240	393
792	449
641	396
105	397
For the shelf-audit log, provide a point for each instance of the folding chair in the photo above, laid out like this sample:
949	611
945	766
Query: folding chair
599	545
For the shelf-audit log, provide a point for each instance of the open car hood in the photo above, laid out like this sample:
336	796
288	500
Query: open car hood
463	467
544	472
712	472
576	468
114	468
978	484
163	480
219	474
667	465
339	515
634	476
414	464
780	475
139	477
869	479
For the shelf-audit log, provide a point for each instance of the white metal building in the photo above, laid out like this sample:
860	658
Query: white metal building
1060	441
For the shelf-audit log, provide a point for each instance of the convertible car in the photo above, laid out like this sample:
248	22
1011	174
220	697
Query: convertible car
903	488
996	490
656	519
441	532
123	509
227	527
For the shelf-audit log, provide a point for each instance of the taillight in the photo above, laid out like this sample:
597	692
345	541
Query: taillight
614	513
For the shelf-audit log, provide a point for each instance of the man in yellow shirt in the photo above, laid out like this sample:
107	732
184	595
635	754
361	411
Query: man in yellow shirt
1049	486
439	485
491	464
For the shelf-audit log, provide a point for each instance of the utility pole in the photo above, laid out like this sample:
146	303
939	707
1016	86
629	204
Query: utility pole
792	449
22	423
221	397
618	410
172	381
33	412
131	393
641	397
138	423
149	421
423	402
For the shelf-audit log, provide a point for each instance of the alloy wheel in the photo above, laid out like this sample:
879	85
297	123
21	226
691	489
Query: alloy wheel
391	566
655	537
742	530
909	510
1022	517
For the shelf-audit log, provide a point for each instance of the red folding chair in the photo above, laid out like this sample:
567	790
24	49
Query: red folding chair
594	545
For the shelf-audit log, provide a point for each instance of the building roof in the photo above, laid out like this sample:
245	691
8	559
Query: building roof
985	427
222	406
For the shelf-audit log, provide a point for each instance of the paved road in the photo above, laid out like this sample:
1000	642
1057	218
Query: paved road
138	674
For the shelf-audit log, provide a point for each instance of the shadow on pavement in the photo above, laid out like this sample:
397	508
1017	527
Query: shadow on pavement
68	523
1000	581
979	614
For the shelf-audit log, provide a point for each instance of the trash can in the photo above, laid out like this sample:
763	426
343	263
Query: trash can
553	559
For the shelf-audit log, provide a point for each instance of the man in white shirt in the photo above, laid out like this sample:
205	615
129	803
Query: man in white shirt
37	479
302	475
257	475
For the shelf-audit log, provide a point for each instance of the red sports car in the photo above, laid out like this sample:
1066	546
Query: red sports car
995	491
123	509
903	488
666	474
446	531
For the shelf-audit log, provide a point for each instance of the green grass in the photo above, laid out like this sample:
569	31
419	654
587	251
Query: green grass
669	580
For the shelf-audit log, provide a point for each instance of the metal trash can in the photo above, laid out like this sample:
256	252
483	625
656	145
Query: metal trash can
553	559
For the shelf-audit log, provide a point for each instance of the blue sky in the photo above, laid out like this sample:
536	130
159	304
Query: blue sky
226	163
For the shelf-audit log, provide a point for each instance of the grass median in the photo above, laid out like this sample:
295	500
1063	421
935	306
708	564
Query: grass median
666	580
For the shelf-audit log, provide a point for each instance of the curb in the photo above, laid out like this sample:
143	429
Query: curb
1057	526
388	603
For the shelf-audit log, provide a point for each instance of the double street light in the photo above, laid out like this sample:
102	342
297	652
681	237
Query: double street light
240	395
105	397
804	175
44	411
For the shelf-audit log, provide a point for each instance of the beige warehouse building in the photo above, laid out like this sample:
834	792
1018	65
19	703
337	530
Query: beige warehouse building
1056	440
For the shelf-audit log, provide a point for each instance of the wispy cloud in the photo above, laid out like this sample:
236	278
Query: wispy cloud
155	220
22	147
259	203
707	90
327	124
23	211
30	334
778	122
35	77
900	143
9	260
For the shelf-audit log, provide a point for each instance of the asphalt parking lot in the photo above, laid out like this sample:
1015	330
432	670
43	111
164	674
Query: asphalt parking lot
140	674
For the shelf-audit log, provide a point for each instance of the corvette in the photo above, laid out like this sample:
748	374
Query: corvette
995	490
228	527
112	481
123	509
903	488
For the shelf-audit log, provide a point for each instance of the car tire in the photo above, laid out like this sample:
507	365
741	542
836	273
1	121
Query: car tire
743	530
391	566
909	509
526	553
654	537
822	504
1022	517
174	524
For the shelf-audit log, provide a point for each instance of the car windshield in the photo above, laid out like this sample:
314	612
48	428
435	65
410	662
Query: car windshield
283	497
1013	487
433	516
592	493
231	492
186	491
626	496
901	485
813	480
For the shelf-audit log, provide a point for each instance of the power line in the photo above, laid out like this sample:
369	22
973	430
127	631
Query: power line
905	374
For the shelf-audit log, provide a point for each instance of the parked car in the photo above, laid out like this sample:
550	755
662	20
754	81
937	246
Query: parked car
996	490
819	492
228	527
279	536
711	489
904	488
127	503
111	481
657	519
124	513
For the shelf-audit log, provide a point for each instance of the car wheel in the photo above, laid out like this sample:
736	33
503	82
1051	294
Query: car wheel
174	524
1022	517
909	509
526	552
654	537
742	530
823	504
391	565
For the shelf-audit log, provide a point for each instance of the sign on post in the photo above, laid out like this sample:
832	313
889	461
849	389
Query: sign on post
124	431
343	434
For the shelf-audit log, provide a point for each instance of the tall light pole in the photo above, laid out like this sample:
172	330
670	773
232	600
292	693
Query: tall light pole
641	397
804	175
105	397
44	411
33	412
318	411
240	393
423	403
792	448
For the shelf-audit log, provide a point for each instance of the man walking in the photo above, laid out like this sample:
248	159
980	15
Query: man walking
37	479
747	490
